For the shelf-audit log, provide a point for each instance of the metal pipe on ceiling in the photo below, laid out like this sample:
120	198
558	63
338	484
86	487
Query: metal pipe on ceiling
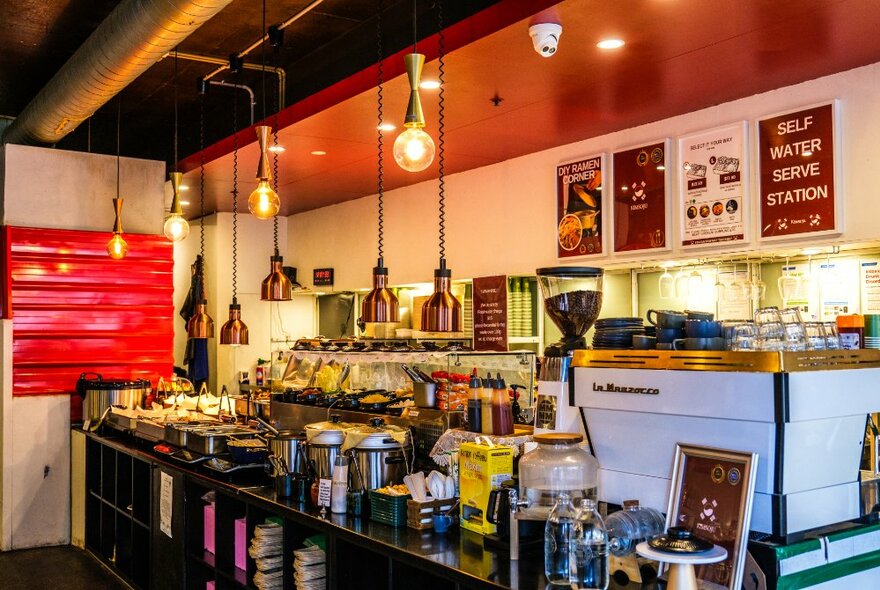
252	101
265	37
131	39
207	59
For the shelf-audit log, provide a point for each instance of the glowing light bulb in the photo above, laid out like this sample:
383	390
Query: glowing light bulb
264	202
176	228
117	248
414	150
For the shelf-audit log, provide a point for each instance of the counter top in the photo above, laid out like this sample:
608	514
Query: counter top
460	555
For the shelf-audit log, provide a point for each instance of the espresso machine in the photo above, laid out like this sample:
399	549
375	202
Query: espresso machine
572	299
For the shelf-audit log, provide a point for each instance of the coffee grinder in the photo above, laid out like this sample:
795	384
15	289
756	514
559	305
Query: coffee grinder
572	299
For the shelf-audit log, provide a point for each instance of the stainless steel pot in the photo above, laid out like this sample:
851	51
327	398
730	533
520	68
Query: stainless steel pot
211	440
324	457
290	446
98	394
380	467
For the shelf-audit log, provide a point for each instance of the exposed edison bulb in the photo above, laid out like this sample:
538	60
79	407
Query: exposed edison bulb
264	202
414	150
176	228
117	248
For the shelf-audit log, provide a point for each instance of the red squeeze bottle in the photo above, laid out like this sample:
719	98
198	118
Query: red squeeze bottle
502	414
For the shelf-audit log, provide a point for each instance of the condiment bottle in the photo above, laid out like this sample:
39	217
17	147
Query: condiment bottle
339	487
502	415
474	407
486	406
852	330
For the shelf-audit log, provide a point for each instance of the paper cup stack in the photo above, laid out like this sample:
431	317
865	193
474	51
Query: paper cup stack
266	550
309	565
872	330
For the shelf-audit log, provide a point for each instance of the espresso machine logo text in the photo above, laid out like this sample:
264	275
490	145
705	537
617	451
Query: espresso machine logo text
612	388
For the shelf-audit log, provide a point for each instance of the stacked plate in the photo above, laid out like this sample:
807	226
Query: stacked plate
616	332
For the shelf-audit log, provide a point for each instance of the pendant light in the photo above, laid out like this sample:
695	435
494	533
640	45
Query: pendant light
176	228
264	202
442	311
200	324
234	332
276	286
380	304
117	247
414	148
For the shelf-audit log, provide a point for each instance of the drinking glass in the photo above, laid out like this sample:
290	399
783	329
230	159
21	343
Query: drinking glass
745	337
816	338
832	336
795	333
766	315
771	336
791	315
666	285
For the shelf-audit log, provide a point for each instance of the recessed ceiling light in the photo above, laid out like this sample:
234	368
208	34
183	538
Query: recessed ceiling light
277	148
387	127
319	153
184	187
429	85
610	44
661	167
184	203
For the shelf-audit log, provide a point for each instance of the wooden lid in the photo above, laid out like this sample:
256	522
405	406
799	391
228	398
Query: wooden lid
558	438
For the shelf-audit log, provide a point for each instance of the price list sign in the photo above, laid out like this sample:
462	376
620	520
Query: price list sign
798	176
490	313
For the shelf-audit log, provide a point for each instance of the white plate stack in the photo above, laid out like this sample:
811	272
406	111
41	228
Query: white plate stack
309	565
267	551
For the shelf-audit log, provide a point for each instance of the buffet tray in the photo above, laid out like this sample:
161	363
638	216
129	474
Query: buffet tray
704	360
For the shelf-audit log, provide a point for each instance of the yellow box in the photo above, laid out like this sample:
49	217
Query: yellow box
482	468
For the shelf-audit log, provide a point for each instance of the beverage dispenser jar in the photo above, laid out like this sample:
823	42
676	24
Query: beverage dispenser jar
558	465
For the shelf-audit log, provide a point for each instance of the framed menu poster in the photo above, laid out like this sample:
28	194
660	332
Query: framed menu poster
798	178
640	195
711	496
713	181
579	207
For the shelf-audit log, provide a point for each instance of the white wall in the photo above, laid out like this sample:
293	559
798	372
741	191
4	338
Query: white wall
501	218
266	321
69	190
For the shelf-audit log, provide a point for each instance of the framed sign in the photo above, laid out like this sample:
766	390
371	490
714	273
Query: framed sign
579	209
640	196
490	313
713	181
798	176
711	495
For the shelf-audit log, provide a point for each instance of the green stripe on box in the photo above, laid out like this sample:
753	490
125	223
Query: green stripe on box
786	551
862	530
831	571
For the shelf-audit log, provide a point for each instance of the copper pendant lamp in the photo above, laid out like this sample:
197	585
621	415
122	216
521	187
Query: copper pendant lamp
201	325
380	305
276	286
442	311
234	332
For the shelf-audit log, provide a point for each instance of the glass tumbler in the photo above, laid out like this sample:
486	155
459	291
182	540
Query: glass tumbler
815	333
744	337
771	336
832	336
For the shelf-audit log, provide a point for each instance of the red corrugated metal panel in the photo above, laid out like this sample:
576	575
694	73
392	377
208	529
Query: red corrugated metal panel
74	309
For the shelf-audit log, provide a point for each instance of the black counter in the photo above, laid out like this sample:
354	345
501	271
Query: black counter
460	557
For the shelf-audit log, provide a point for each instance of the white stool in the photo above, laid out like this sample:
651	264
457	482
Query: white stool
681	565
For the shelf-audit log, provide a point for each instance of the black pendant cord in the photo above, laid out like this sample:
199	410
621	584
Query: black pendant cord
441	125
274	143
415	30
174	161
380	111
234	200
118	125
202	192
263	60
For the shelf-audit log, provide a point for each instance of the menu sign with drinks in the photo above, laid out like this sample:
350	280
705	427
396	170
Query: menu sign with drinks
579	207
797	177
713	183
490	313
640	221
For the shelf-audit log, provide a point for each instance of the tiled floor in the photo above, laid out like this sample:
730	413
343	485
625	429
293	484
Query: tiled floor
55	568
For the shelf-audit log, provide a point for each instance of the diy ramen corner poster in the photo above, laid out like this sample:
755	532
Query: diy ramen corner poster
640	220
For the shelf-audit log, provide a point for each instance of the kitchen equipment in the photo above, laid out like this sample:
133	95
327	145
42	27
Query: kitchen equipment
290	446
247	450
425	394
381	458
211	440
681	565
98	394
572	299
324	442
482	467
794	409
175	433
148	429
632	525
680	540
